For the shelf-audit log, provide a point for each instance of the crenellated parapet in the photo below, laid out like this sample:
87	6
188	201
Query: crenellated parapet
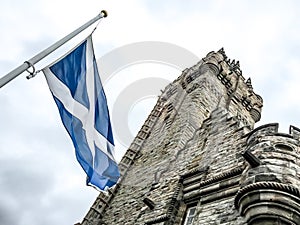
270	184
239	90
235	93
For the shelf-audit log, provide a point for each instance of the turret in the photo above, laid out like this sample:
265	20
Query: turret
269	191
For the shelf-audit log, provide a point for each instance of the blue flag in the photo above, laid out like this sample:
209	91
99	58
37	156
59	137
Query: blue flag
77	90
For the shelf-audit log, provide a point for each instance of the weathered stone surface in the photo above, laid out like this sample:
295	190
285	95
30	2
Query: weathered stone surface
198	148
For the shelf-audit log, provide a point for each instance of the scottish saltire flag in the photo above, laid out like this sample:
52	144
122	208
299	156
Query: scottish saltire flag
77	90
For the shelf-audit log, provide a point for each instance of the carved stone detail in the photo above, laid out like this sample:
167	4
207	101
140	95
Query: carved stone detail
264	201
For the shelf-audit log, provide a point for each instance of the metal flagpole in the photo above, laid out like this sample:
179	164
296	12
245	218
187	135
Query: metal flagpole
29	63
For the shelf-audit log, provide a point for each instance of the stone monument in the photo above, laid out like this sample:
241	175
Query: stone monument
198	159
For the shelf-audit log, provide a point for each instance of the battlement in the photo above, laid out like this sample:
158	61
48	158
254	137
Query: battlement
239	92
231	76
271	129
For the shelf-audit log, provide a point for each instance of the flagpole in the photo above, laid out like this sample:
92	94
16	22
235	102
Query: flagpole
29	63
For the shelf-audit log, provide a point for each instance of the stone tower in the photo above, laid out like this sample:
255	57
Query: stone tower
198	160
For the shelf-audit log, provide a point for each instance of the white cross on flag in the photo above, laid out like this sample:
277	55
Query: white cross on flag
77	90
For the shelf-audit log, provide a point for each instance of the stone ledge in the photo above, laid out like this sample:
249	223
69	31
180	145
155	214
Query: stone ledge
267	185
263	199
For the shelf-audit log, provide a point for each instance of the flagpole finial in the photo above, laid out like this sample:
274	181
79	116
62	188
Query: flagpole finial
103	13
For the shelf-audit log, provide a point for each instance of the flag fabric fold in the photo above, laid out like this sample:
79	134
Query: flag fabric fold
78	93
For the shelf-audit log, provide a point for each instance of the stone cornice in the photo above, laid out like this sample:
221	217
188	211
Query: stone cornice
266	185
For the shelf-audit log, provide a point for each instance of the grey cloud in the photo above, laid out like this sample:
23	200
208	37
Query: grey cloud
36	151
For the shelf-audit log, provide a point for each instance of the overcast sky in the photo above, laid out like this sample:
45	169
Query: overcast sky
40	179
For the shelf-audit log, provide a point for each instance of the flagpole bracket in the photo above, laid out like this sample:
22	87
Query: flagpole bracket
33	72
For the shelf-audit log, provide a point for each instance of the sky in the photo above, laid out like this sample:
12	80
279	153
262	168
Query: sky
40	179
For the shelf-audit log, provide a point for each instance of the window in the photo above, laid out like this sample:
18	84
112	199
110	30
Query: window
190	215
